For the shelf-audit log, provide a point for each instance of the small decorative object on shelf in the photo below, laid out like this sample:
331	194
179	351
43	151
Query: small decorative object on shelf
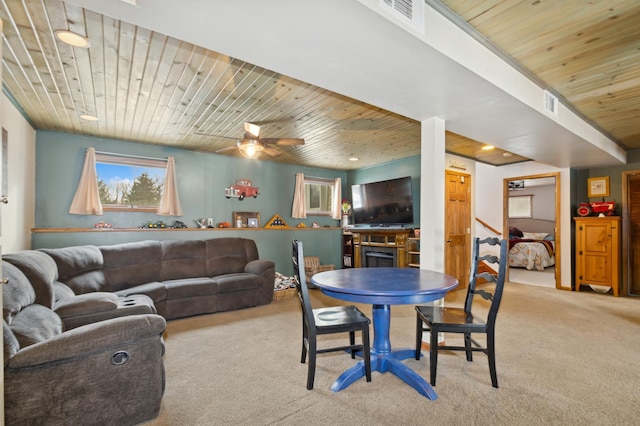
179	224
276	222
102	225
246	219
224	225
346	209
315	225
597	208
242	188
301	225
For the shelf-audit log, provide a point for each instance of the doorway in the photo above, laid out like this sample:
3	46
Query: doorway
532	223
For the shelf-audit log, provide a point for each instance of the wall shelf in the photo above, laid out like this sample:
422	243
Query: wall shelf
112	230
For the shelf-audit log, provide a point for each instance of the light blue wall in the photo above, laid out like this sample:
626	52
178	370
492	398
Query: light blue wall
391	170
201	178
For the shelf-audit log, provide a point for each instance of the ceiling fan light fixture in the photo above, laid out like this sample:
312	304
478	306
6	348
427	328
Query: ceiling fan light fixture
250	148
73	39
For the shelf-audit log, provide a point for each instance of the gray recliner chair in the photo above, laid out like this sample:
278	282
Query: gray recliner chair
108	372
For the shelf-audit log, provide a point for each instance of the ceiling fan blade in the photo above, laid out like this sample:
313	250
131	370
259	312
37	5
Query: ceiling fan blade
283	141
271	151
229	148
251	129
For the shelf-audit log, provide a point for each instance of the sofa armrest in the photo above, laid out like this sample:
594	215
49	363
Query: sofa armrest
86	304
89	339
259	266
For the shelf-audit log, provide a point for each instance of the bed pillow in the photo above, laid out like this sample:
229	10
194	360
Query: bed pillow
514	232
549	238
534	235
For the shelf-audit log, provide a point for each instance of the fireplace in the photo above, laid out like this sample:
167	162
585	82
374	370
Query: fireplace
376	257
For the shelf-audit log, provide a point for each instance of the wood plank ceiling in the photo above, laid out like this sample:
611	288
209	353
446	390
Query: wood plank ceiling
146	87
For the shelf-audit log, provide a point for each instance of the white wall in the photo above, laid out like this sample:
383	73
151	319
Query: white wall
18	216
489	200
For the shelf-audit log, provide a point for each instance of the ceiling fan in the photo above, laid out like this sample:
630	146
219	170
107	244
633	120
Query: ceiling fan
252	146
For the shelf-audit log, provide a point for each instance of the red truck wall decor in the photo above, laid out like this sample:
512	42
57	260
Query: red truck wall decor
242	188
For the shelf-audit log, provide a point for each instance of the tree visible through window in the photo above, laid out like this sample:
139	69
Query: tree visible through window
127	185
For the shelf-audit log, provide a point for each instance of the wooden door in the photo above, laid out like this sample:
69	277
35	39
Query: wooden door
457	230
632	231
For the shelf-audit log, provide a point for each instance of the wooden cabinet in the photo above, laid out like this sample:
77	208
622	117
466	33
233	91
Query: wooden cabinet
413	252
598	252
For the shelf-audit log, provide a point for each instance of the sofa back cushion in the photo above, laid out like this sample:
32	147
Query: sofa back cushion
130	264
27	321
40	270
229	255
17	294
183	259
35	324
80	268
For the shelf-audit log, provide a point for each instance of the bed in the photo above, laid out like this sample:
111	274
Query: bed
531	244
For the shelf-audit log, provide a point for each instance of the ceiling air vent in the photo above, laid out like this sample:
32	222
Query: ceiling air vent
550	103
408	11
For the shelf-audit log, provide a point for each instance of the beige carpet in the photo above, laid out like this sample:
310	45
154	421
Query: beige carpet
563	358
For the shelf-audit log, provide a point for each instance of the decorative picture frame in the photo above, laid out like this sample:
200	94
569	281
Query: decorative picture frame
598	187
246	220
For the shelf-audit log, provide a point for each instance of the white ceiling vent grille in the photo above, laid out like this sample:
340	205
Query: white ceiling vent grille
550	103
410	12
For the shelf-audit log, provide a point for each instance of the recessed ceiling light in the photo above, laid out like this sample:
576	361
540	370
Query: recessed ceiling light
488	147
72	39
88	117
352	158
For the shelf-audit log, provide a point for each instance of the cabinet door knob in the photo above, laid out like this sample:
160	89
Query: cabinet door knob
4	200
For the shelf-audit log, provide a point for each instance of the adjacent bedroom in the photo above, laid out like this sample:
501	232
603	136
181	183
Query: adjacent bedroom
532	224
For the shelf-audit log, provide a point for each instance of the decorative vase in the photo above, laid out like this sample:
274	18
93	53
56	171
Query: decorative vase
345	220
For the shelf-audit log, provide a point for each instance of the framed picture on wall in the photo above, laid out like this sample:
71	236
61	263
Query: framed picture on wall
598	187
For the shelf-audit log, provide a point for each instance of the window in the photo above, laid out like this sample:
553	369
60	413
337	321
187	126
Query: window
318	194
127	183
520	206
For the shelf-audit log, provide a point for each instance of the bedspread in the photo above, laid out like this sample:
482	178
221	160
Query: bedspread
531	254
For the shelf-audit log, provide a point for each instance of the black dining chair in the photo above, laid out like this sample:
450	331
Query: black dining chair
437	319
330	320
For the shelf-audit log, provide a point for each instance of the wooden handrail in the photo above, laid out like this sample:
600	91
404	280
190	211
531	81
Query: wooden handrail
486	225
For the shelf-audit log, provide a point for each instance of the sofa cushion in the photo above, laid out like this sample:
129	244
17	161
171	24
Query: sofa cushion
17	294
237	282
229	255
62	291
35	324
87	282
190	287
155	290
72	261
131	264
40	270
183	259
80	268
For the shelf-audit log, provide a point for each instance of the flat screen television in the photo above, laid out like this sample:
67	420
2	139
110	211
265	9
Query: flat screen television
383	203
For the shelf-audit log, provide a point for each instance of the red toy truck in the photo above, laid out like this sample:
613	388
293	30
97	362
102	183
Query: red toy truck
597	207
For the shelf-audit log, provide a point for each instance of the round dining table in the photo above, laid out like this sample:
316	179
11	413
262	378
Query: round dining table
383	287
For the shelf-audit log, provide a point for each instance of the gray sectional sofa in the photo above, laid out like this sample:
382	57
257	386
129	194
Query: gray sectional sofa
83	325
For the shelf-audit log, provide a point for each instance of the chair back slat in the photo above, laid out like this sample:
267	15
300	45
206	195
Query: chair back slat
300	281
498	278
